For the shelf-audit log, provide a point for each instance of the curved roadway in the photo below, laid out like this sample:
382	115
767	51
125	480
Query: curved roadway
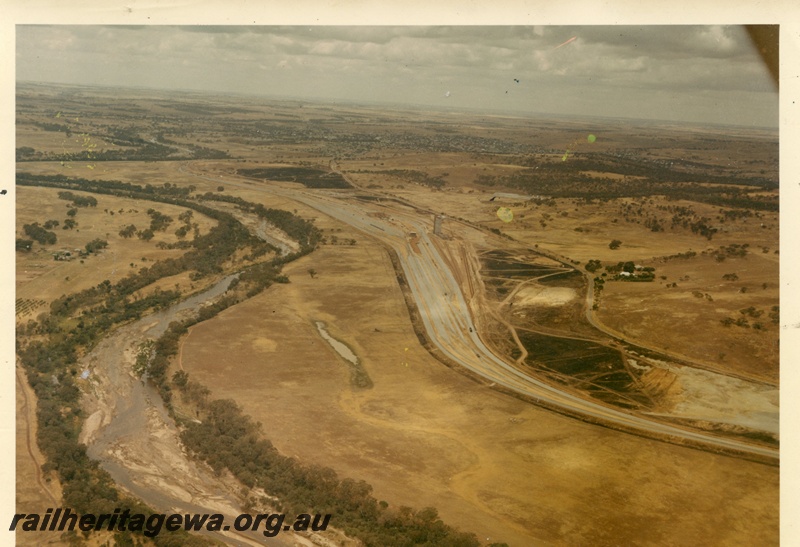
448	321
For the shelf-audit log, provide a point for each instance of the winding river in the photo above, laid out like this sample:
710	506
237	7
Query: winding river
131	434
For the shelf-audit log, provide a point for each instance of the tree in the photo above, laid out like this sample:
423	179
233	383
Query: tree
615	243
24	245
593	265
146	235
128	231
312	272
24	151
180	378
95	245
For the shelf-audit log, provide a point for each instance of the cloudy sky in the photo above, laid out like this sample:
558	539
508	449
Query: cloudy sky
683	73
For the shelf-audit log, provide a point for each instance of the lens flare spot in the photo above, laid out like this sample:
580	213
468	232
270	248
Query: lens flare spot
505	214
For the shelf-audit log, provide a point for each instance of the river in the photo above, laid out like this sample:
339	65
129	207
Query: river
131	434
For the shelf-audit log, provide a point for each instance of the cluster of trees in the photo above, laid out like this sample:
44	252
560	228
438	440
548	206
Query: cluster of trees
593	265
159	222
54	127
413	175
146	235
204	153
140	151
186	218
124	136
39	234
78	201
753	313
24	245
740	322
128	231
640	178
700	294
95	245
632	212
599	283
25	153
110	187
260	276
775	314
679	212
653	224
301	230
734	214
312	178
701	227
734	250
686	255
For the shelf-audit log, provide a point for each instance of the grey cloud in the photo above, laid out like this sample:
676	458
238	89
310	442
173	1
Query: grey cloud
662	42
623	64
